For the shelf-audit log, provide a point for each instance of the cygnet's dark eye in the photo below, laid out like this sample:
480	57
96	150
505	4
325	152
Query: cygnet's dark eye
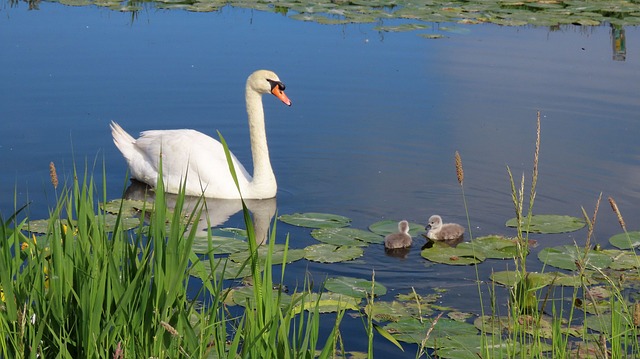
280	85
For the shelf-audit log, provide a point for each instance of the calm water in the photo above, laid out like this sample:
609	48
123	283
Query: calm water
375	121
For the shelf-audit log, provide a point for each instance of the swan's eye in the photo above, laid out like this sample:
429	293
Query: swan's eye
279	84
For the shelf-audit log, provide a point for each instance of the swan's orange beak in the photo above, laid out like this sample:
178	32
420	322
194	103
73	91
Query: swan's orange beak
281	95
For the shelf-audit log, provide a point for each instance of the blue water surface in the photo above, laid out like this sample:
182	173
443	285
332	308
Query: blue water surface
375	122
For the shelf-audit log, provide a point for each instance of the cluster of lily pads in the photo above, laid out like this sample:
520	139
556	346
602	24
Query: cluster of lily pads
408	316
413	15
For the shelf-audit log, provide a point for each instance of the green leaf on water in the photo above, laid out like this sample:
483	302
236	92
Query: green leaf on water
328	253
453	255
223	268
326	302
414	331
240	296
220	245
549	223
315	220
388	226
622	260
126	223
127	207
354	287
401	28
230	232
277	256
626	240
346	236
565	257
496	247
509	278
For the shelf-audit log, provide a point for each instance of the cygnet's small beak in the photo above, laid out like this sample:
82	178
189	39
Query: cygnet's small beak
428	227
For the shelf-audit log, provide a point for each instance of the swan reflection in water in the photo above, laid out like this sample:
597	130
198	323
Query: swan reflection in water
216	212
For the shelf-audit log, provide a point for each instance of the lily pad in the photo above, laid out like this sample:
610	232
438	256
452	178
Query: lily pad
230	232
388	226
240	296
622	260
223	268
453	255
496	247
127	207
277	256
326	302
476	346
125	223
346	236
509	278
626	240
315	220
565	257
354	287
42	225
219	245
328	253
549	223
385	311
414	331
401	28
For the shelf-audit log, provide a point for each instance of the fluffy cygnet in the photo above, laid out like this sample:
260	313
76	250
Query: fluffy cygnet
399	240
439	231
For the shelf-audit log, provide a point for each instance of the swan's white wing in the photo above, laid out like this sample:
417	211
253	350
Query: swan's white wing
189	152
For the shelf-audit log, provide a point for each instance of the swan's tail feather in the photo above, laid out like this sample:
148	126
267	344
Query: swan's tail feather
121	138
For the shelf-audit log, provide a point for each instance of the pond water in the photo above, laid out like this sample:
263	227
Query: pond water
375	122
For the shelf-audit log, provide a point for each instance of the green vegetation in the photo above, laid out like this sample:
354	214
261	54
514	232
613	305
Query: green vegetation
117	280
89	289
404	15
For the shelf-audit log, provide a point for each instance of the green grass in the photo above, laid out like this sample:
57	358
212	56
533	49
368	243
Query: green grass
90	289
85	291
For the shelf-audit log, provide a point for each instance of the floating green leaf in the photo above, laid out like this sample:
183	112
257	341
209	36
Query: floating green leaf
354	287
384	311
565	257
453	255
240	296
549	223
127	207
326	302
622	260
509	278
277	255
496	247
222	268
626	240
346	236
388	226
328	253
400	28
125	223
414	331
315	220
219	245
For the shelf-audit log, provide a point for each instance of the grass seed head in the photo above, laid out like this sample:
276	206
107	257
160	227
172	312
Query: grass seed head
53	174
459	169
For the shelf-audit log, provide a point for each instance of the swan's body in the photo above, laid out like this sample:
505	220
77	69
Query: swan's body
439	231
197	161
402	239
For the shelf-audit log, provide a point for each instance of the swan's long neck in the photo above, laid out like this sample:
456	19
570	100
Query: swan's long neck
264	180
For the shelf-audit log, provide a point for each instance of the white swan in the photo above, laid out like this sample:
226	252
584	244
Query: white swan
198	158
439	231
